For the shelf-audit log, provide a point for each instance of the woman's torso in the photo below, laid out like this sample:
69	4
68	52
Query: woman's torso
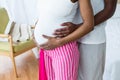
52	13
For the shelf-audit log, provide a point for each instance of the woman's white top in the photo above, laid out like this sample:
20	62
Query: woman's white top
52	13
97	36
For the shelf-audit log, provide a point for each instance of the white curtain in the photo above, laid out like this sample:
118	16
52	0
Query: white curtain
21	11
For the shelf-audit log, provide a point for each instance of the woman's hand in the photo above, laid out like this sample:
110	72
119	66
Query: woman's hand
51	43
69	27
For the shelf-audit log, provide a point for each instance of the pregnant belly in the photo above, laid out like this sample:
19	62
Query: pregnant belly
46	30
47	27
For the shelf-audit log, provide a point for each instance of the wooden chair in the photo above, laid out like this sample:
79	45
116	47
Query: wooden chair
7	48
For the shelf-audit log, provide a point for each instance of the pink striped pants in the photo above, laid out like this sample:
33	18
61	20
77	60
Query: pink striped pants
62	63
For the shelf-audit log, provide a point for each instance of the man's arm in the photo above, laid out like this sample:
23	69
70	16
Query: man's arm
105	14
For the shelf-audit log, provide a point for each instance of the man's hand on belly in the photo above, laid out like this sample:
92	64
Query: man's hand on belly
68	28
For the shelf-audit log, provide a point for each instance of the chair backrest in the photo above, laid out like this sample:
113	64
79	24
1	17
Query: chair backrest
4	19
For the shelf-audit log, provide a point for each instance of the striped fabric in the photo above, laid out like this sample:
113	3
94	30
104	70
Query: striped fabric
62	62
42	72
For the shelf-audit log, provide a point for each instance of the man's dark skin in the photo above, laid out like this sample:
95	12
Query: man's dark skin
106	13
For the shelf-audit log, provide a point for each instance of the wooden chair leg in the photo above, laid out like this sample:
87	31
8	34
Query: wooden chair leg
14	66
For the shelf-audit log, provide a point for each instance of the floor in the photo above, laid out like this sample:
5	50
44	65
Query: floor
27	67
